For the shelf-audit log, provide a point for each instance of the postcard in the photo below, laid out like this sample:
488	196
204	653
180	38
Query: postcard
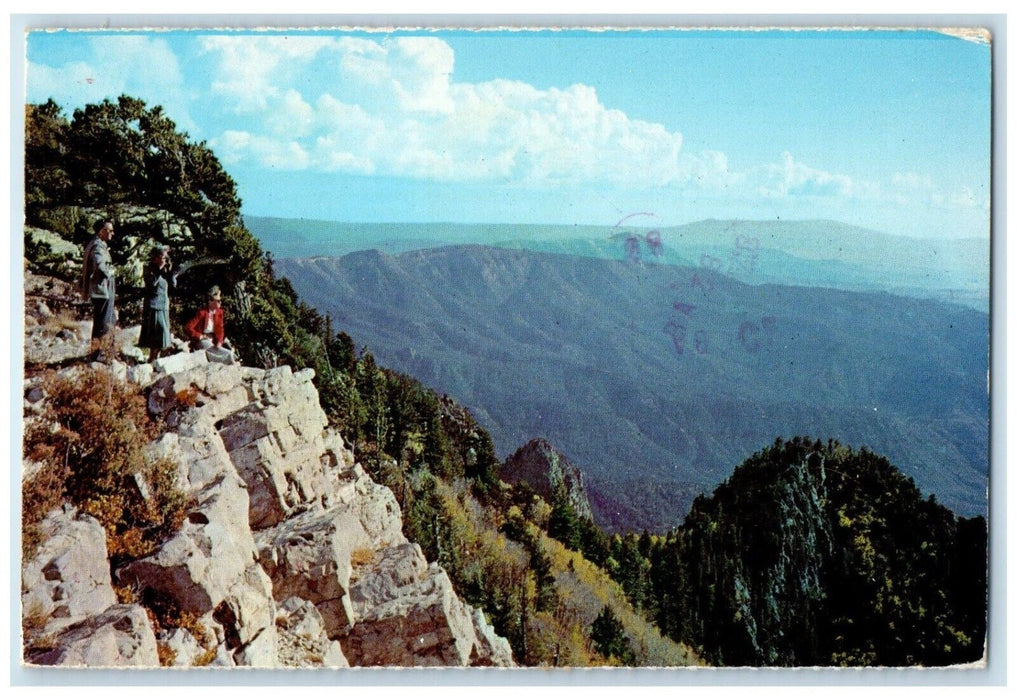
660	348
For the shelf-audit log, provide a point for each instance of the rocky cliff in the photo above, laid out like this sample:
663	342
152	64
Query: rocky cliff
291	556
548	472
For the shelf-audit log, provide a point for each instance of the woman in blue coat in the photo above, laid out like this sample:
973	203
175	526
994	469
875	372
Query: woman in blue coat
155	326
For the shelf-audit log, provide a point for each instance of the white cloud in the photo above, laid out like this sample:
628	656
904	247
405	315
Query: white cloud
251	69
390	107
112	65
290	116
72	84
790	178
234	146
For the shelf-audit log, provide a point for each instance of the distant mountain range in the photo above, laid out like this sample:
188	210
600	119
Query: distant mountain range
800	253
657	378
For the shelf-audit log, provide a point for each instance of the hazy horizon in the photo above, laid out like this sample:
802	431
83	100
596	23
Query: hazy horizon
639	227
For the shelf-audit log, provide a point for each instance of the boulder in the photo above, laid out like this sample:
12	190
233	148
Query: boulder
141	374
68	579
119	636
198	452
310	556
215	390
180	362
247	615
281	448
291	556
491	649
407	614
199	566
184	648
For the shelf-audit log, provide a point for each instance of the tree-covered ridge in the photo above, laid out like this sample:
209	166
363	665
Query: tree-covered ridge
813	553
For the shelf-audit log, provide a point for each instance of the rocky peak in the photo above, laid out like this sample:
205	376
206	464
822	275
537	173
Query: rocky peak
547	470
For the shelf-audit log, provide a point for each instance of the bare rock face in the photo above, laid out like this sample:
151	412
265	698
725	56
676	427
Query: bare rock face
70	615
119	636
491	649
68	578
408	614
200	564
303	641
548	472
310	555
280	446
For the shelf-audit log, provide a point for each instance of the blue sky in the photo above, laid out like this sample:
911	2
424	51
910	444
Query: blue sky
884	129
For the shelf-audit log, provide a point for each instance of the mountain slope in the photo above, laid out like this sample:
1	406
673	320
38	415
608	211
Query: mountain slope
820	555
670	374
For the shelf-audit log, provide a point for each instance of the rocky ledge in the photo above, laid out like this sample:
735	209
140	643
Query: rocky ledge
291	556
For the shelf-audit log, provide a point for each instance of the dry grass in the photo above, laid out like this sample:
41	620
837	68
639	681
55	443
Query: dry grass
91	460
167	657
204	658
61	320
362	556
33	620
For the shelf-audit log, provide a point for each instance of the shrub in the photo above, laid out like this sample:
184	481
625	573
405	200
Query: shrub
362	556
167	657
40	493
90	441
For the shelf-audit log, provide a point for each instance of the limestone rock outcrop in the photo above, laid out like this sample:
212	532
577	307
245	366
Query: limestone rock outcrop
407	614
302	638
548	472
70	614
290	556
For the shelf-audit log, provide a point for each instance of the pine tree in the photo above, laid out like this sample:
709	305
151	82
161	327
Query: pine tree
608	637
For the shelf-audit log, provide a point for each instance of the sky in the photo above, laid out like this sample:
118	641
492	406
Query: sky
889	130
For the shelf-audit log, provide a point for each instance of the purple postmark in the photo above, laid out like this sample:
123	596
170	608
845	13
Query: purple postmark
633	241
752	334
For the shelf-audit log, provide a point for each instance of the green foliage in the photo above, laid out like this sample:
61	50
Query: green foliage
608	637
564	524
128	162
810	553
46	176
815	554
125	161
90	443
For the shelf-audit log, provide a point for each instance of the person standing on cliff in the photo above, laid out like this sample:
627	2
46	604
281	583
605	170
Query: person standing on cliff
98	283
155	325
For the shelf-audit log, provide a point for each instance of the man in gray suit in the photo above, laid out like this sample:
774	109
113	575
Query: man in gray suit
98	283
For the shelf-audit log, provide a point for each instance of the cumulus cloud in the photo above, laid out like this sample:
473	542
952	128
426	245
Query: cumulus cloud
792	178
234	146
391	107
251	69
